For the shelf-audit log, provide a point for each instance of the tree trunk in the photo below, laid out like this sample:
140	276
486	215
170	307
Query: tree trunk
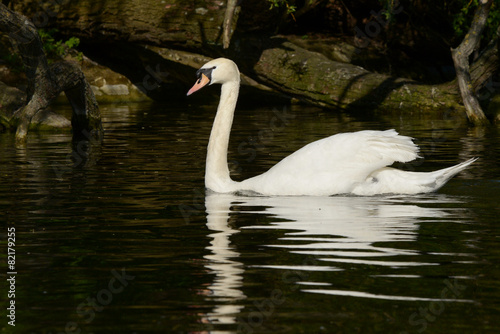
46	82
460	57
487	64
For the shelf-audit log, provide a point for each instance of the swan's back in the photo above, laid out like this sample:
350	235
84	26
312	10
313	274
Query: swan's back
334	165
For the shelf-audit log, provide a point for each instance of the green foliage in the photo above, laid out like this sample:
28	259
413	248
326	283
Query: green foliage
56	49
462	20
389	7
290	9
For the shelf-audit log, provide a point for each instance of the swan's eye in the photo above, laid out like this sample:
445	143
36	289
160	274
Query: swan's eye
206	71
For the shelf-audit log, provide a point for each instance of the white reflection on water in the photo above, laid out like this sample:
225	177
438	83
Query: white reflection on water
228	272
343	226
377	296
328	229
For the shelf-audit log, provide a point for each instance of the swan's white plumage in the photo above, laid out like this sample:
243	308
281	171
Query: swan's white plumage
344	163
334	165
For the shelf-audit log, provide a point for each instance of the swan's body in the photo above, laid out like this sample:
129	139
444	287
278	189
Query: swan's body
347	163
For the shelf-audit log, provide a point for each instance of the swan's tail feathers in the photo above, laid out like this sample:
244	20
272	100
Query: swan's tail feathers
395	181
443	175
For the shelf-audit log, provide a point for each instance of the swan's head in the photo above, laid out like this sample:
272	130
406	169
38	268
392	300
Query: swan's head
220	70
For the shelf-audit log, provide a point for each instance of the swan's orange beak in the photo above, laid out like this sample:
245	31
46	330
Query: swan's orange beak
202	82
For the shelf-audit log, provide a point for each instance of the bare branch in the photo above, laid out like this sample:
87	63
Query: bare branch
228	22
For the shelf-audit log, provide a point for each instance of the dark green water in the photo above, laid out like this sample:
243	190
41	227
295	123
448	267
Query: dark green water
122	238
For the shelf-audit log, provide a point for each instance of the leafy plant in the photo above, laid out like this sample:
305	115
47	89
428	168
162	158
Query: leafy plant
389	7
55	49
462	20
290	9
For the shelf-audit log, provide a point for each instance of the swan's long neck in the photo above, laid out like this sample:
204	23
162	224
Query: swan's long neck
217	171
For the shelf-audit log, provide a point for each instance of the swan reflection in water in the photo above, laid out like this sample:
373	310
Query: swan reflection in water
331	230
226	287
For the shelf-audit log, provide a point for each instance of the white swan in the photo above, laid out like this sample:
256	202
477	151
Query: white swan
347	163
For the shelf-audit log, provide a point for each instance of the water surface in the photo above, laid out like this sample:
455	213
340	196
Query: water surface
123	238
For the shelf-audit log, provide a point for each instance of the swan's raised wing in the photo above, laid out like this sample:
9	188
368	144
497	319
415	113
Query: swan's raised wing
334	165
